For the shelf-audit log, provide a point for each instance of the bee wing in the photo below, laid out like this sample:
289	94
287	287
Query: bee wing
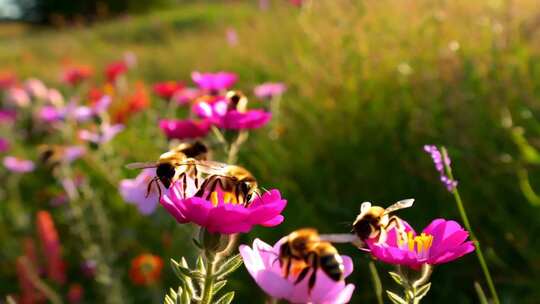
365	206
211	167
141	165
406	203
339	238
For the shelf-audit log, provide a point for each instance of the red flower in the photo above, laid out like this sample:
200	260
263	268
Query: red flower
145	269
167	89
7	79
76	74
75	293
115	69
51	247
134	103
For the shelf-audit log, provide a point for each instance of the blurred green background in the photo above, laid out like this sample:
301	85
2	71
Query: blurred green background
370	82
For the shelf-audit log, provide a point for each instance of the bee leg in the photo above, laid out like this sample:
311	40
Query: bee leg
149	187
313	277
302	275
201	189
287	268
196	176
183	176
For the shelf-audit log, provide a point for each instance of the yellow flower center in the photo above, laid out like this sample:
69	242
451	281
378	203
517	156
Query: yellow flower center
228	198
419	244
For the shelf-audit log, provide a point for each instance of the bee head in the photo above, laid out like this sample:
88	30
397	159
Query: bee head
237	101
165	172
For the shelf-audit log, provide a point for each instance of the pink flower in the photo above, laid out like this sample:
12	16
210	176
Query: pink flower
167	89
440	242
262	264
232	36
55	97
72	153
18	97
270	90
134	191
214	82
251	119
186	95
36	88
216	109
114	70
18	165
184	129
217	212
105	133
75	75
4	145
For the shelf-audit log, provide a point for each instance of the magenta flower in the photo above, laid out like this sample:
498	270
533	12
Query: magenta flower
261	263
50	114
4	145
251	119
185	128
214	82
440	163
18	165
218	112
270	90
7	116
134	191
218	211
440	242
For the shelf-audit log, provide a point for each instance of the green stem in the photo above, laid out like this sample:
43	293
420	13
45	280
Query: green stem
232	155
208	290
467	225
48	292
377	286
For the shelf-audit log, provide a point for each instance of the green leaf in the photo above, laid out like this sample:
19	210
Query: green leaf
395	298
396	277
200	264
218	285
480	292
180	271
226	299
422	291
184	296
229	266
196	274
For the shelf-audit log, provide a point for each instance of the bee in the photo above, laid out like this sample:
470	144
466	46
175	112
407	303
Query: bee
304	249
177	164
237	101
375	221
236	180
54	155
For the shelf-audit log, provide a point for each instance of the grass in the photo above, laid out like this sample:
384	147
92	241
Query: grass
370	83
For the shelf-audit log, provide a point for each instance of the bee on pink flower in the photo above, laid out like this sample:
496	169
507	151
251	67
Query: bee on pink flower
230	112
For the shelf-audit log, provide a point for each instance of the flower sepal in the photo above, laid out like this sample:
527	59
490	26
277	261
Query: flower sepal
415	284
